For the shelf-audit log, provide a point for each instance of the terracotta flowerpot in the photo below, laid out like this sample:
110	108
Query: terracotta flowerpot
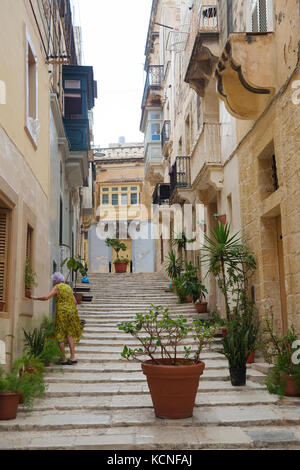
121	267
9	405
251	358
189	298
201	307
173	389
28	293
2	306
78	297
224	332
291	389
222	218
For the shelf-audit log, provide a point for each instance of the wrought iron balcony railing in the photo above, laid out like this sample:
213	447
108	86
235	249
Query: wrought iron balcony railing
161	194
180	174
153	80
208	18
165	133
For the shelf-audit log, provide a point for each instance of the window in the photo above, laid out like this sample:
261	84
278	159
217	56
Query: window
260	16
73	105
73	84
105	189
115	189
3	253
133	188
124	199
155	131
32	122
133	198
124	188
29	244
268	177
105	199
115	199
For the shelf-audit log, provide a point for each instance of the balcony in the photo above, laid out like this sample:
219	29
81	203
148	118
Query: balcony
202	51
246	75
165	136
161	194
151	96
180	178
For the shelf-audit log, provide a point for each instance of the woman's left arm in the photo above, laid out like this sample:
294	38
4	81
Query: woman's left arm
54	291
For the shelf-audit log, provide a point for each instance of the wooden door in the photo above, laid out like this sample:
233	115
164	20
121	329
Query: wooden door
281	275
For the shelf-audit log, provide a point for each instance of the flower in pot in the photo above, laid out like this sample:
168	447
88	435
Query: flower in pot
117	246
279	350
30	278
172	369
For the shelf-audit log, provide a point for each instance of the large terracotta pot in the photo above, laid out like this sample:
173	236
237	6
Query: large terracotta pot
251	358
173	388
201	307
291	389
9	405
121	267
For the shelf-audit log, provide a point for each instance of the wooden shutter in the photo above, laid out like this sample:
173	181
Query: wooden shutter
3	253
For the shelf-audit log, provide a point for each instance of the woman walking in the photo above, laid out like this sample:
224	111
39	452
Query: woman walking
68	328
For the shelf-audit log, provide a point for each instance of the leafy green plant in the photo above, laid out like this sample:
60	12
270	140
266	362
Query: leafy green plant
164	336
34	342
278	350
181	241
74	264
48	327
237	346
232	264
172	265
51	352
30	276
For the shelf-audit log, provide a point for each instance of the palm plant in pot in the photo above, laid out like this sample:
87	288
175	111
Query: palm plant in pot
280	351
172	266
120	262
172	369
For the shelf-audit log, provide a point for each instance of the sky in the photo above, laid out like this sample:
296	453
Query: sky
114	37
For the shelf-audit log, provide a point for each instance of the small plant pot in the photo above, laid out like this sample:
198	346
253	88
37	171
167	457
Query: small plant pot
189	298
2	306
173	389
121	267
222	218
291	389
238	376
78	296
201	307
251	358
9	405
224	332
28	293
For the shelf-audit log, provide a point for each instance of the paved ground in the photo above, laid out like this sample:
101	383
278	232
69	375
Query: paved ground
103	402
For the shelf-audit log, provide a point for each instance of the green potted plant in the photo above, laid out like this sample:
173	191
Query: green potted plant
279	351
48	327
172	376
237	348
29	385
9	394
172	266
74	264
120	262
30	278
51	353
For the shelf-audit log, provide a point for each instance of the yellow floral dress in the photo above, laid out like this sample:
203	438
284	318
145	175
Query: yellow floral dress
67	321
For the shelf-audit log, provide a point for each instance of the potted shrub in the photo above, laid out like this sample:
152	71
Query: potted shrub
9	394
284	377
172	376
48	327
30	279
236	350
120	262
51	353
172	266
30	385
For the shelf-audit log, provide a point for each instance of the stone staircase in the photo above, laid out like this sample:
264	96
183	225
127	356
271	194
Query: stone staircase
103	402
